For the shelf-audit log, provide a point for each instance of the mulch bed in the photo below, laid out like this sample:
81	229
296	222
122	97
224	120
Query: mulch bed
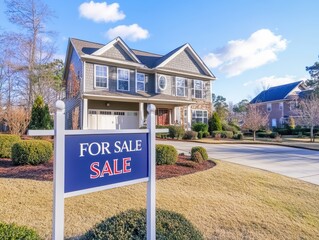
44	172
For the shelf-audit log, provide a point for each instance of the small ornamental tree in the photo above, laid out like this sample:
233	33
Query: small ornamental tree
254	119
40	116
215	123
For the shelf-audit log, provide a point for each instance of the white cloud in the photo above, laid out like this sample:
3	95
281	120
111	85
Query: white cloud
271	81
241	55
101	12
132	32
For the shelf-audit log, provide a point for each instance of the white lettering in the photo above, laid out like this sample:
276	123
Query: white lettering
83	147
98	149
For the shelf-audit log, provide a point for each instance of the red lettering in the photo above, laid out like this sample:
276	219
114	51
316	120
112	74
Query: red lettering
106	169
95	170
126	164
115	167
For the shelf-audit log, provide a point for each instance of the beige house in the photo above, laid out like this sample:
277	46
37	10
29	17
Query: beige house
109	86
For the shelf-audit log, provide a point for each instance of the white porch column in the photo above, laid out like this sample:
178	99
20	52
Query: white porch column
85	114
170	116
189	117
141	114
177	115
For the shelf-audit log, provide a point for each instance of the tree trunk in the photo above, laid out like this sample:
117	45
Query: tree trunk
254	135
312	137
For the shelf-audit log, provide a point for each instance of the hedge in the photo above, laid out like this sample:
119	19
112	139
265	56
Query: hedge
223	134
176	131
200	127
132	225
15	232
191	135
201	150
32	152
6	143
165	154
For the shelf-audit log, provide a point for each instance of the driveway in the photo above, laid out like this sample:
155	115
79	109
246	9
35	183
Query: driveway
292	162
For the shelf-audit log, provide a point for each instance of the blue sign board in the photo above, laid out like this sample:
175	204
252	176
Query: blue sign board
104	159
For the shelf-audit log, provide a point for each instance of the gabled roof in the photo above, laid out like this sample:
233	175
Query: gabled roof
87	49
276	93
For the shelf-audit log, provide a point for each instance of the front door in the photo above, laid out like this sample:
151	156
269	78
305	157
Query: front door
162	116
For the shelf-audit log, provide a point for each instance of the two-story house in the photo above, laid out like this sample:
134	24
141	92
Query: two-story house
108	86
280	101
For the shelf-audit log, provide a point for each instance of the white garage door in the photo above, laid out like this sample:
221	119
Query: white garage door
102	119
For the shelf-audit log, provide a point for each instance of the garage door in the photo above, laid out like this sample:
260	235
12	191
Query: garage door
102	119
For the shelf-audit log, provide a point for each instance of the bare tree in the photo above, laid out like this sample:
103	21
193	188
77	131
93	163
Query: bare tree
18	119
31	47
254	119
308	114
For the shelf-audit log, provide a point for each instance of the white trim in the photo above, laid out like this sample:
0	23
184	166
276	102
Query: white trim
117	79
106	187
107	76
136	73
83	77
111	60
123	45
293	89
156	85
180	78
164	88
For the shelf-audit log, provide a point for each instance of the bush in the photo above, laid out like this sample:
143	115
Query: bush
274	135
223	134
165	154
215	123
40	116
190	135
205	134
31	152
238	136
200	135
263	135
176	132
197	157
200	127
229	128
13	231
201	150
132	225
6	143
161	135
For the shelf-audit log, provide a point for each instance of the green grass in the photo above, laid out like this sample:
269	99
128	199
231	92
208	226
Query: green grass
227	202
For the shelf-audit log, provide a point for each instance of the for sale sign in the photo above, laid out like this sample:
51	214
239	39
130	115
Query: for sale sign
99	160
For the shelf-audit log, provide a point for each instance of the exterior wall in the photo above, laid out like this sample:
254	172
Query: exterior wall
102	105
184	61
71	106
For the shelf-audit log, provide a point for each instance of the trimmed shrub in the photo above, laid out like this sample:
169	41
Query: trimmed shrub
201	150
132	225
165	154
197	157
190	135
263	135
223	134
200	127
13	231
200	135
32	152
176	131
6	143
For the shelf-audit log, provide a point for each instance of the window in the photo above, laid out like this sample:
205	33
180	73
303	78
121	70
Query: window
268	107
198	88
162	83
140	82
101	76
123	79
274	122
199	116
281	106
180	86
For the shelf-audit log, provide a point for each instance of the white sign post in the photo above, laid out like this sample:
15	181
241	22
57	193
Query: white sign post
134	165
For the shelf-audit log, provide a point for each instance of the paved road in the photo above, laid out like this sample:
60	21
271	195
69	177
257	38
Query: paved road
292	162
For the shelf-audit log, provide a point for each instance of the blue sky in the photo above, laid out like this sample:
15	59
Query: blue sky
248	45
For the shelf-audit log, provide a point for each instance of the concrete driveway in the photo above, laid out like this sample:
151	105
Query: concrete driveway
292	162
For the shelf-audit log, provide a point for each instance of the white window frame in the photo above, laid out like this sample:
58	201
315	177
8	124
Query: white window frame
203	115
202	90
95	75
118	79
137	73
159	85
184	88
269	107
281	106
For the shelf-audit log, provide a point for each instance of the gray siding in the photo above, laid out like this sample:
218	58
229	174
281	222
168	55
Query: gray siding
78	71
185	62
117	52
70	105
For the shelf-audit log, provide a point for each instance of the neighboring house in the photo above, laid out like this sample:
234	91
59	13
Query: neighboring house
109	86
280	101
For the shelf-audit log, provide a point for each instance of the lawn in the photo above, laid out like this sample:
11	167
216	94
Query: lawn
228	201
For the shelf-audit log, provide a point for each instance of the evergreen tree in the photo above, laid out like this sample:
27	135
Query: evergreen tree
215	123
40	116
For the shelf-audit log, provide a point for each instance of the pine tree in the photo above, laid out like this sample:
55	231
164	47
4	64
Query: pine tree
40	116
215	123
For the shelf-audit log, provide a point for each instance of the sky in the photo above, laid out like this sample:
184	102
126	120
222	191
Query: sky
248	45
